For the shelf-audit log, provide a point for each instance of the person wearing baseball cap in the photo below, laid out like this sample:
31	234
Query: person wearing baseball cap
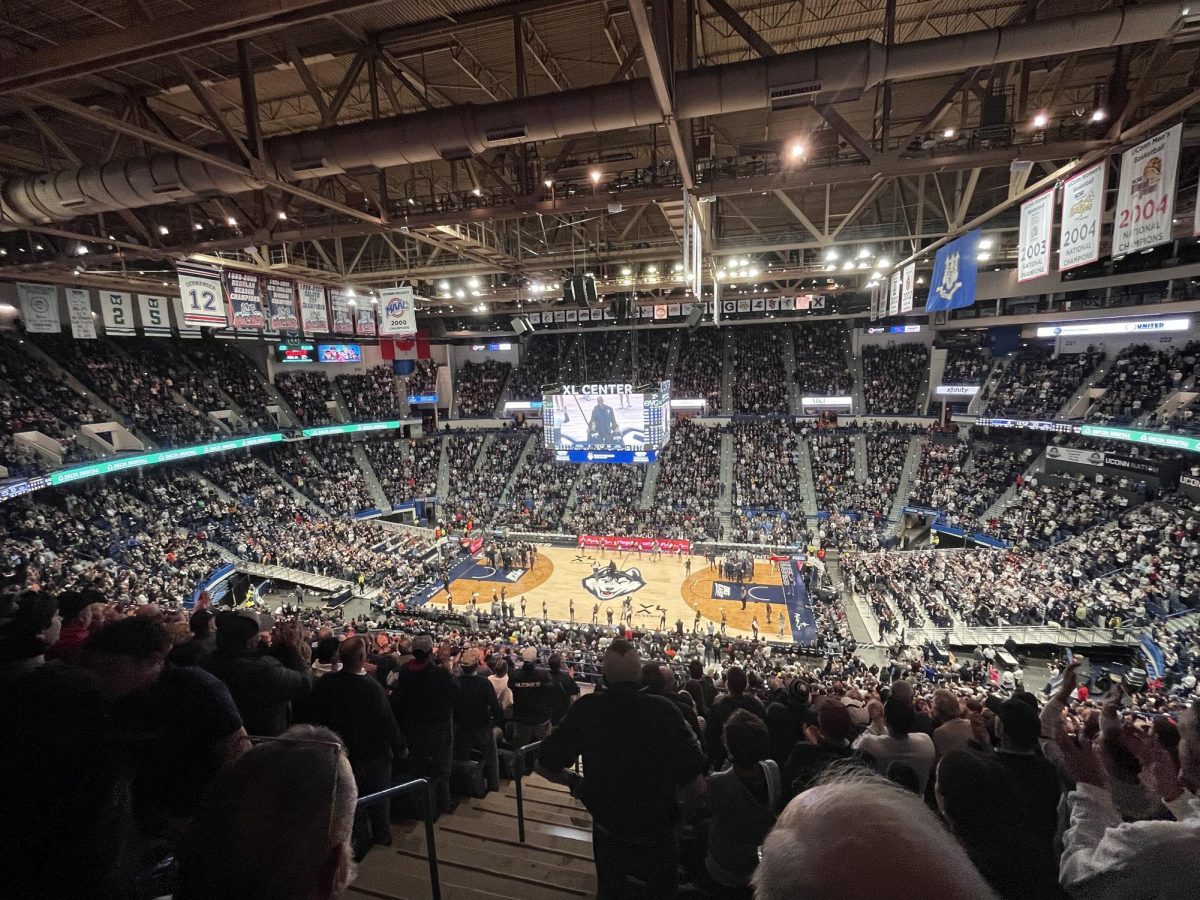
637	751
476	714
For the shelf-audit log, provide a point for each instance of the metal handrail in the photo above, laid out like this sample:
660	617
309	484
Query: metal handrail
518	775
425	787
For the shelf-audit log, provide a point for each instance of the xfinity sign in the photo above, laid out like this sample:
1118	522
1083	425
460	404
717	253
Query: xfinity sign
1142	326
956	390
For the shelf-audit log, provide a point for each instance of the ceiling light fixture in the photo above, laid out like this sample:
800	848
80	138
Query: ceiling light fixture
1040	120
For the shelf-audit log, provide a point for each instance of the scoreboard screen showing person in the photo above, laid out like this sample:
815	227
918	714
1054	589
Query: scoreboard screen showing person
339	353
606	422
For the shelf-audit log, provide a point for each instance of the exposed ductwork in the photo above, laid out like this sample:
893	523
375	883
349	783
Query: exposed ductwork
827	74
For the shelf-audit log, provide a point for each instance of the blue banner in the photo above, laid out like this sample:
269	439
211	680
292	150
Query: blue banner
952	285
1154	656
605	456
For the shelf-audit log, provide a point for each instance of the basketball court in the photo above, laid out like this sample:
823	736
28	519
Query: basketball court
560	574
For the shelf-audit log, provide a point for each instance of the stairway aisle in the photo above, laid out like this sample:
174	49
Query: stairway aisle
374	486
531	444
480	856
907	476
726	374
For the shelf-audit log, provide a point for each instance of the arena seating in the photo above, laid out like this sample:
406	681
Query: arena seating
474	494
606	499
478	386
1140	379
653	350
423	379
768	504
370	397
822	353
760	379
308	394
1035	382
237	376
327	472
406	469
688	488
539	492
893	378
697	374
539	365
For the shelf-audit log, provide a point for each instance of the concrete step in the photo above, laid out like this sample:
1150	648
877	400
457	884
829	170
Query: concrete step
559	870
535	811
405	874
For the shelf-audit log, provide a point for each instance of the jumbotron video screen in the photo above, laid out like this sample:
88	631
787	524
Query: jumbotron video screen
607	422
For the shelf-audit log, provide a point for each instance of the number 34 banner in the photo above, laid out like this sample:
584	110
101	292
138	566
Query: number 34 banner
202	295
1146	200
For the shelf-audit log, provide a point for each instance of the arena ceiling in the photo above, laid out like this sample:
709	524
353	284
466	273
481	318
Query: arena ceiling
107	87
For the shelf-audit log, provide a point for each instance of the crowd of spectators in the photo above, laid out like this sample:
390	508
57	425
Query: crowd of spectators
479	386
1140	379
422	379
476	488
237	376
606	500
966	365
768	502
756	353
688	490
596	357
893	378
326	471
538	496
835	470
1036	382
145	397
887	450
822	354
941	478
405	468
697	373
962	490
653	347
308	394
1047	509
371	397
540	357
19	414
166	358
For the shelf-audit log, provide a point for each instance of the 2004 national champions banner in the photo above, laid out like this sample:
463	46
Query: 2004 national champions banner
39	307
1082	212
1146	198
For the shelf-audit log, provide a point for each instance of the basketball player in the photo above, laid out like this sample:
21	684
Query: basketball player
595	613
696	624
545	615
754	627
522	606
768	612
571	610
609	612
725	620
687	567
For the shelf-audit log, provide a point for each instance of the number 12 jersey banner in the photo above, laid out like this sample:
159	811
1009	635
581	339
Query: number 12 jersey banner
202	294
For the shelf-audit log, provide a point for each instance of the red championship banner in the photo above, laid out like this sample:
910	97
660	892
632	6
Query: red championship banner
629	544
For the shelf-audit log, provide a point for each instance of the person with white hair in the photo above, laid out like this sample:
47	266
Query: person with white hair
274	825
808	851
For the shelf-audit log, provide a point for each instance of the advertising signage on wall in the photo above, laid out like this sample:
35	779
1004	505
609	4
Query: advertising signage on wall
1133	326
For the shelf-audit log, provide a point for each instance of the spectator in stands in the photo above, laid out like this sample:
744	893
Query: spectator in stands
637	751
422	700
745	799
893	377
80	612
263	686
823	746
901	744
565	692
735	698
276	824
355	706
198	650
476	714
533	700
811	851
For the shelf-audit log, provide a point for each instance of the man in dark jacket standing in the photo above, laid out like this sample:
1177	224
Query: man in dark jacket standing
532	700
637	751
355	706
423	703
476	713
263	686
722	709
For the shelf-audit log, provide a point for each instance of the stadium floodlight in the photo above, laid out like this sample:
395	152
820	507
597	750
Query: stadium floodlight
831	254
864	252
1040	120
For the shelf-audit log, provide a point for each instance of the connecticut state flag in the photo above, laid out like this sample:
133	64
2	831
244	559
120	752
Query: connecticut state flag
953	283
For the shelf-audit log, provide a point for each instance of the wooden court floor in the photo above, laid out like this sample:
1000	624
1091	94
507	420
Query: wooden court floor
561	575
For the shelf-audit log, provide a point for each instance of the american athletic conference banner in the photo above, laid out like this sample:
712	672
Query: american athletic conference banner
953	283
314	314
1033	242
39	307
202	294
641	544
398	311
281	303
1146	198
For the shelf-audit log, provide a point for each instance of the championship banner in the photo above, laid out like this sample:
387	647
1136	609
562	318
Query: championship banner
314	315
39	307
245	299
1082	211
365	321
398	311
281	303
156	316
953	283
627	544
1033	242
202	293
897	284
1146	197
908	279
117	309
79	311
339	305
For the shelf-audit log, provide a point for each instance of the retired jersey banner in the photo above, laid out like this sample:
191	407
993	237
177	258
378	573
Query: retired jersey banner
953	283
39	307
185	330
117	310
398	310
640	544
245	299
281	304
908	279
202	293
339	305
895	288
79	311
787	302
314	314
772	304
1146	197
1082	212
1033	241
365	321
156	316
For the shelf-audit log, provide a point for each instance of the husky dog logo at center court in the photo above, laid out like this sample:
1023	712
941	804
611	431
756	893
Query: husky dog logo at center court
610	583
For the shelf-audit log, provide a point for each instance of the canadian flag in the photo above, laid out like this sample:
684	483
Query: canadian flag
409	347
